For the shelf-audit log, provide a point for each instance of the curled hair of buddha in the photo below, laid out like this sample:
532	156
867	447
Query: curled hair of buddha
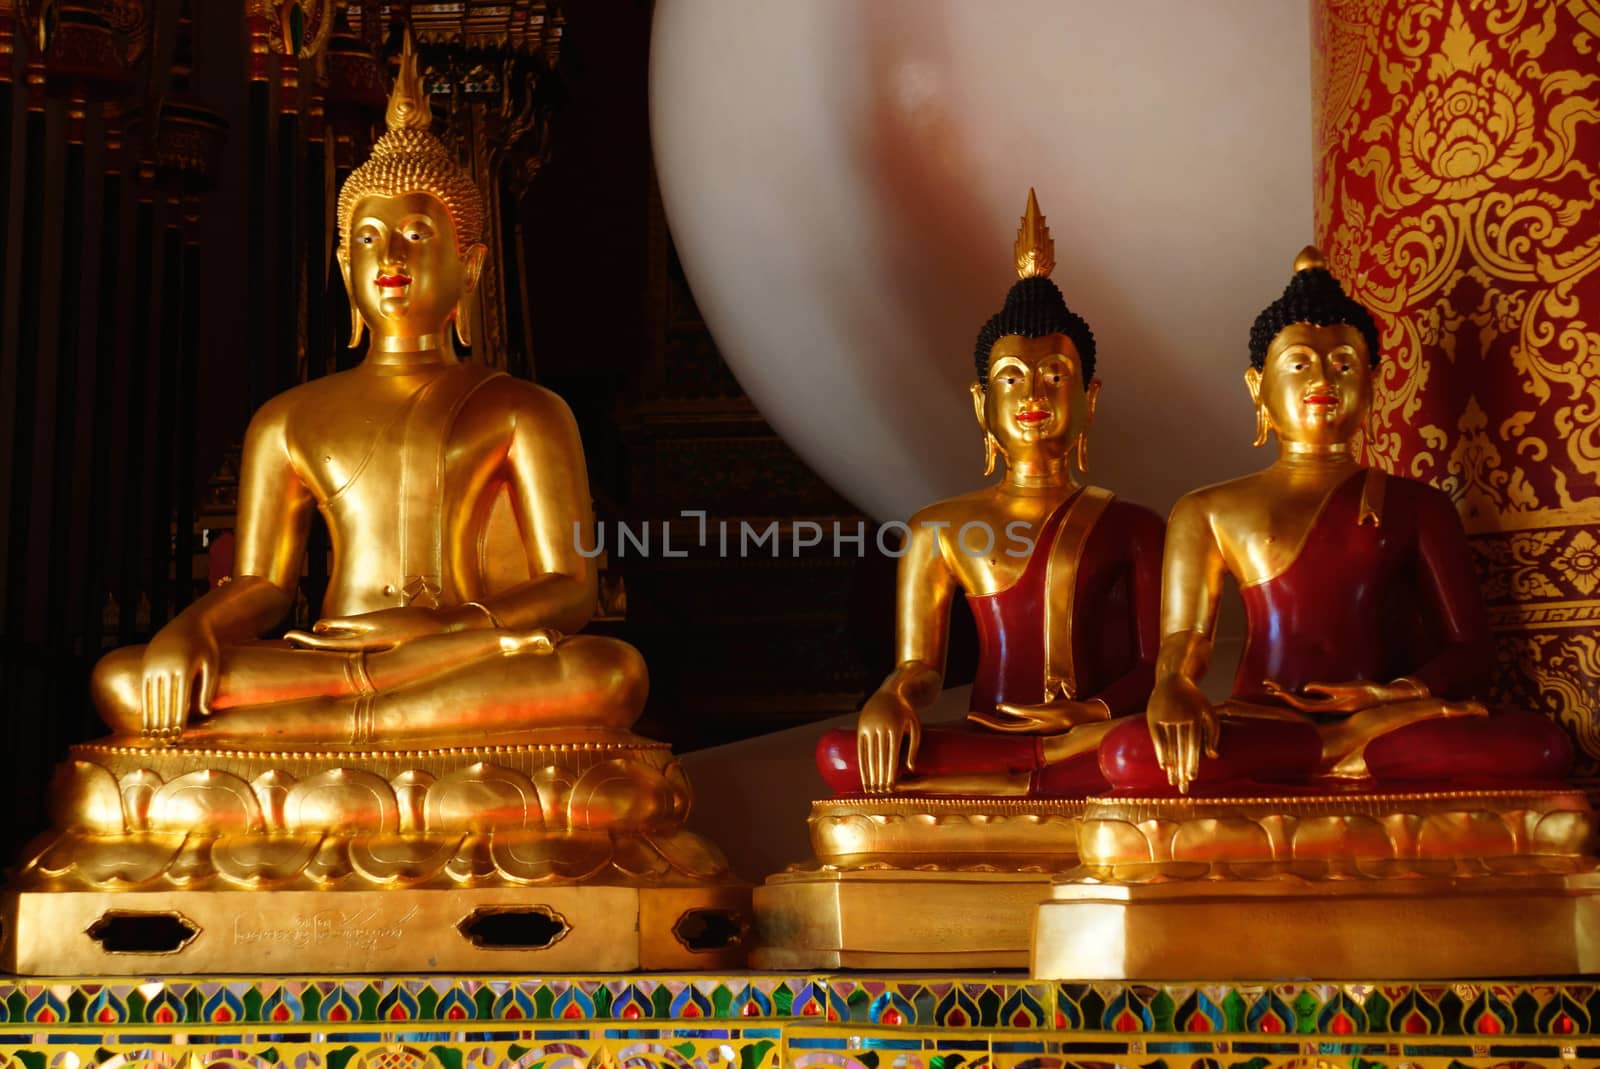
1312	296
1034	307
409	159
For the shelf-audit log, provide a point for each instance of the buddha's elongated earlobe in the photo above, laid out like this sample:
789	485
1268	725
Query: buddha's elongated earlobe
1252	382
472	261
1080	445
357	324
991	445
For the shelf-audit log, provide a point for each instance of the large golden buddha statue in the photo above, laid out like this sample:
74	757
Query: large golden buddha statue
453	495
1353	808
968	820
440	734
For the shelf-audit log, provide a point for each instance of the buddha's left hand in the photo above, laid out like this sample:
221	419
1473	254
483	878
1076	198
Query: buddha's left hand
1349	697
1047	718
376	630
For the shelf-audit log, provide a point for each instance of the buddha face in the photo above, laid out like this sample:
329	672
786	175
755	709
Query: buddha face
1036	403
1316	383
401	267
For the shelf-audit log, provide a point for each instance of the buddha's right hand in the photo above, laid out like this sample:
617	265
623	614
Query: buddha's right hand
181	664
886	721
1183	724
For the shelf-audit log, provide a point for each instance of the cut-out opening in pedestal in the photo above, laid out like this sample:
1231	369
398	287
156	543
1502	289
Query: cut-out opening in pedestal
514	928
707	930
133	932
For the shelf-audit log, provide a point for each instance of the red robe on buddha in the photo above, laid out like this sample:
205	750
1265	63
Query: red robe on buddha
1093	586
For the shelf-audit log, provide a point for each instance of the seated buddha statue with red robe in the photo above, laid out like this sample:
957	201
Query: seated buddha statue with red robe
1062	579
1367	647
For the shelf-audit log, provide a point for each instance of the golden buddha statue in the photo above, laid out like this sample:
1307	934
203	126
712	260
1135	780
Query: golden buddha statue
440	729
1063	581
1367	641
1354	808
453	495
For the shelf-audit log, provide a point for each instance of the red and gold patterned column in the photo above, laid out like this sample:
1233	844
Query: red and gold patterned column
1458	196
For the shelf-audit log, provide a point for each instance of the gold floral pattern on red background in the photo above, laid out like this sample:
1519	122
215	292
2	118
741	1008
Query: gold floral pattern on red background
1541	589
1458	196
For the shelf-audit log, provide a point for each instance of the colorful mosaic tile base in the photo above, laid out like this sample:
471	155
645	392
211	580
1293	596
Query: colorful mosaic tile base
764	1021
395	1001
1488	1009
1491	1009
543	1049
808	1049
798	1046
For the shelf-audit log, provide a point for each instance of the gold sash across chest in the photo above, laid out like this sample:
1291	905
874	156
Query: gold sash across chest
421	441
1060	589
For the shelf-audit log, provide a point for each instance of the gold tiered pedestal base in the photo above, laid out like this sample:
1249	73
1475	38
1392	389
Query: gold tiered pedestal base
561	854
1429	929
1422	885
916	883
896	920
564	929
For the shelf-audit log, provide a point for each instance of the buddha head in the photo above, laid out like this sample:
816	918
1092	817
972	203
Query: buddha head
410	221
1312	354
1035	393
